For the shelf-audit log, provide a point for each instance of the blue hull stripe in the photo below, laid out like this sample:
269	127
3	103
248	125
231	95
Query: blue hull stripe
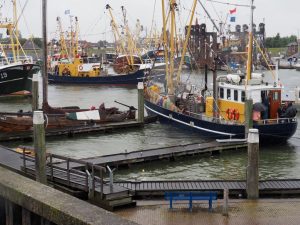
187	124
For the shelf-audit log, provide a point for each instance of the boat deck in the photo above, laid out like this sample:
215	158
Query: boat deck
71	131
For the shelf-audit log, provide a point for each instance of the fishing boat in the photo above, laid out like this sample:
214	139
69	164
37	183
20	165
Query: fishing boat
65	118
74	68
76	73
227	112
15	71
16	77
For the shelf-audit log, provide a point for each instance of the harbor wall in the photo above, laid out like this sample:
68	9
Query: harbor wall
22	199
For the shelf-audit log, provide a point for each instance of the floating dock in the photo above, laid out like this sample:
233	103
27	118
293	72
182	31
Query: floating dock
156	154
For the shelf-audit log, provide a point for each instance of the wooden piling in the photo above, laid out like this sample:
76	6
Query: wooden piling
26	217
140	102
39	146
9	212
225	202
35	93
252	168
248	116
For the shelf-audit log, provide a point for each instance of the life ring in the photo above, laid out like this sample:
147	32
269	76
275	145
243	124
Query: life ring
80	68
229	114
236	114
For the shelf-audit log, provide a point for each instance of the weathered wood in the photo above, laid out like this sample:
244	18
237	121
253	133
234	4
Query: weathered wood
39	146
141	102
77	129
252	168
225	202
9	212
26	217
35	93
248	116
157	154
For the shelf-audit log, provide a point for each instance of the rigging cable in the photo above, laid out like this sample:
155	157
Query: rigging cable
227	3
26	24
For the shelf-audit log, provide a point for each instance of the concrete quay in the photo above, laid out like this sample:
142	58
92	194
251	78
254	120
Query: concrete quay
246	212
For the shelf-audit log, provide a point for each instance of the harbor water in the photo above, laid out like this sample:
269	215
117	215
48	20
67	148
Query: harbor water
276	161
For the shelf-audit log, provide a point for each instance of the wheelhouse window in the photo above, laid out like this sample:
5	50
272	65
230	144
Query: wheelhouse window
243	96
221	93
275	96
235	95
228	94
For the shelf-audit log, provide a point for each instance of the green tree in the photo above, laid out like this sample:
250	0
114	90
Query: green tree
279	42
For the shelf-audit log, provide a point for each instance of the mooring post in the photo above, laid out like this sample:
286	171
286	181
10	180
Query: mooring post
225	201
111	177
141	102
39	147
252	168
248	116
35	92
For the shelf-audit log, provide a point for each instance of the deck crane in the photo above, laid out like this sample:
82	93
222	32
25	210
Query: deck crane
117	35
76	44
213	22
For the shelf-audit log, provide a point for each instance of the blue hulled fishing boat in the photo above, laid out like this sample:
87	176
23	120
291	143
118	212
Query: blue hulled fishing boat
227	111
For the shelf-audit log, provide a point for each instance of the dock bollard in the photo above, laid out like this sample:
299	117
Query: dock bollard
39	146
252	168
111	176
35	92
140	102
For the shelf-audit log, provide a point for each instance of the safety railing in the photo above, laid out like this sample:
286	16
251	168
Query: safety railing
69	176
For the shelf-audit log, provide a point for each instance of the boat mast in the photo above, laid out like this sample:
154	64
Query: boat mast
71	38
165	41
45	53
15	17
250	44
186	41
173	6
76	37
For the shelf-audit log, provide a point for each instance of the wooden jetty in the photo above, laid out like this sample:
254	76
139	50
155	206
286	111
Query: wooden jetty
156	154
71	131
236	187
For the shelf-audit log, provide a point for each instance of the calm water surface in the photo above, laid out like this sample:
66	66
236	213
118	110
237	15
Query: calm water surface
280	161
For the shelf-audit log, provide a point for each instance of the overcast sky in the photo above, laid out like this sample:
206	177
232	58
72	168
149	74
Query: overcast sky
280	16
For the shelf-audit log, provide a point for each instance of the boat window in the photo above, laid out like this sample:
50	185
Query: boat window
228	94
236	96
275	95
243	96
221	93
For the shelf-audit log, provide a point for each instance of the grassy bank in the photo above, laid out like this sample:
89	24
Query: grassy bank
277	51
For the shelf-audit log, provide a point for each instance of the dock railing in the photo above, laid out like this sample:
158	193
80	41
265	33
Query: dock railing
85	180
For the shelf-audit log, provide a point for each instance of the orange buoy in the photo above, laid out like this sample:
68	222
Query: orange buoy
229	113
